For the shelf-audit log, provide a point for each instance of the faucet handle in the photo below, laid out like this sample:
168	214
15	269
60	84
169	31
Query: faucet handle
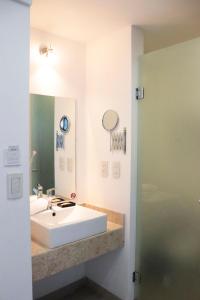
51	192
39	187
38	191
35	191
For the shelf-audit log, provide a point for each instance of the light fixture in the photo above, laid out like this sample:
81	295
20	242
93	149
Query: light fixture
46	51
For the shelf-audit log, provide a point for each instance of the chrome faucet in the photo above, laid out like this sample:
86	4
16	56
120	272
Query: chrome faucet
50	193
50	207
38	191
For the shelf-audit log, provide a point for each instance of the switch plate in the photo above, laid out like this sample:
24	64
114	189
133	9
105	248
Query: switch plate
61	163
14	186
116	169
104	169
70	165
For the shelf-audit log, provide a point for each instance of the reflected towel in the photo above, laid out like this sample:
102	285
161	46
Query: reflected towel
38	205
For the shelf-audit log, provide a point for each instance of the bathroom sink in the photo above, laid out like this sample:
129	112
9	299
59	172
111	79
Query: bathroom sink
68	225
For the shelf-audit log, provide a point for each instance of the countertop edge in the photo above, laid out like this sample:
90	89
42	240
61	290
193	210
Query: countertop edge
51	261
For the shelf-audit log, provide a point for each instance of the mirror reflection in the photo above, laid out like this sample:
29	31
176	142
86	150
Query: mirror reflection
52	157
65	124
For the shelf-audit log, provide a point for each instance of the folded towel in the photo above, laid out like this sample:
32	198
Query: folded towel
38	205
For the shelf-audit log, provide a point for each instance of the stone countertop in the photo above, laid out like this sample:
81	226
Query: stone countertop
47	262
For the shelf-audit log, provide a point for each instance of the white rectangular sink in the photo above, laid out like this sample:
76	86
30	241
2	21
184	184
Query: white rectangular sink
68	225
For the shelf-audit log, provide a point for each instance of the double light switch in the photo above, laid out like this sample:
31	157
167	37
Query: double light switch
104	169
115	169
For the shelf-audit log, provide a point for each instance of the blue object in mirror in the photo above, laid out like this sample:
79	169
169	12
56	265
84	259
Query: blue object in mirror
59	141
64	124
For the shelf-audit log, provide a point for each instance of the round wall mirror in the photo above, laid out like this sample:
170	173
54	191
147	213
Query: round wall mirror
64	124
110	120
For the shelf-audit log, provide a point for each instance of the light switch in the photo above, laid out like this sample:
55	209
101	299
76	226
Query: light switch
116	169
104	169
70	165
61	163
14	186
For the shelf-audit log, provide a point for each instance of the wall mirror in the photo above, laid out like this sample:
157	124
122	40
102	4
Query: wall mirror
110	120
52	122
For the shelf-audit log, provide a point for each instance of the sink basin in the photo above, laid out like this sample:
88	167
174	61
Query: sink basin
68	225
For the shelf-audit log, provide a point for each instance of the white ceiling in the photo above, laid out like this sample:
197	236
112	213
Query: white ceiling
165	22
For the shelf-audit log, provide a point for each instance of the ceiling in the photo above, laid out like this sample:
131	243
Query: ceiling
165	22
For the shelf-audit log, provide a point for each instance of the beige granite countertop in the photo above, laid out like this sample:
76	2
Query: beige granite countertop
47	262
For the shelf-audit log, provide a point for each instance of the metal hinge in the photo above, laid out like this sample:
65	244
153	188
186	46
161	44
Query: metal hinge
136	277
139	93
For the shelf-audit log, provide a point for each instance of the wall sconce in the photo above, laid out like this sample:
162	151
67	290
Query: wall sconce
46	51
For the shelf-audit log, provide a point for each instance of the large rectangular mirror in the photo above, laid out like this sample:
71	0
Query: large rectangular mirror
52	144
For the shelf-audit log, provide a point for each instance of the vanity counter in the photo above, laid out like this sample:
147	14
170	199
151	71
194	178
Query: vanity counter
47	262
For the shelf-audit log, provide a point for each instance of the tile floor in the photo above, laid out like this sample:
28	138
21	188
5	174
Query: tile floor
86	293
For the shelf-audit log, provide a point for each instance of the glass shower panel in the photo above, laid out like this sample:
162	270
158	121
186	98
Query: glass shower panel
168	211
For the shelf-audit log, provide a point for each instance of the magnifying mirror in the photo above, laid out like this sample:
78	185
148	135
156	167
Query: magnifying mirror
110	120
64	124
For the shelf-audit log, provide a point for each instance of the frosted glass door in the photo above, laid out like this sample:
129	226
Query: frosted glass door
168	211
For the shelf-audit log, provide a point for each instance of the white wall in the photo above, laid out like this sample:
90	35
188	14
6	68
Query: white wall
109	86
64	159
15	258
63	76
